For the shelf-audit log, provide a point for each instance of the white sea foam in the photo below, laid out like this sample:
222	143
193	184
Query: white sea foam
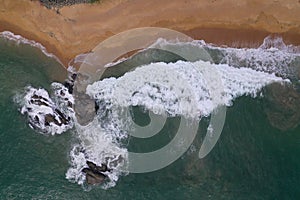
38	105
182	88
266	60
63	99
188	89
273	56
78	162
278	43
98	145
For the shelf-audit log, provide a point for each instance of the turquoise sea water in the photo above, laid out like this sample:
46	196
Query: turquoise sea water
252	159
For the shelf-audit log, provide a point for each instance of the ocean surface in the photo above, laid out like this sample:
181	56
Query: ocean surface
256	156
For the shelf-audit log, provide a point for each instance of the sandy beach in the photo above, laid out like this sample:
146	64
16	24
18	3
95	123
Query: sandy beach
76	29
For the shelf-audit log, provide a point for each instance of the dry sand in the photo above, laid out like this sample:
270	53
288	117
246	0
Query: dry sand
79	28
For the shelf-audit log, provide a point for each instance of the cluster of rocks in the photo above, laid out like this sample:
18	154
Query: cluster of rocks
46	115
50	115
60	3
69	83
94	174
57	117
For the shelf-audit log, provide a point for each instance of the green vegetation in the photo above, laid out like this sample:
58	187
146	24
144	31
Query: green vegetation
95	1
60	3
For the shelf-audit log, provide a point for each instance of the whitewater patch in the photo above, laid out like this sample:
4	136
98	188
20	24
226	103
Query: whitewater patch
45	114
184	89
267	60
191	90
273	55
99	145
181	88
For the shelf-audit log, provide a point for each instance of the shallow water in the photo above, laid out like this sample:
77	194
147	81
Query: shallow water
252	159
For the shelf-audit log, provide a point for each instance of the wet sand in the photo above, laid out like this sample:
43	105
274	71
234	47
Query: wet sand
77	29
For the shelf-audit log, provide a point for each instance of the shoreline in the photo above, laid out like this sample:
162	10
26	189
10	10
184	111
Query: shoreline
20	39
78	29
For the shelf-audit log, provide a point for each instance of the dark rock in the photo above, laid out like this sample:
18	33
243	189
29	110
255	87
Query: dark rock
94	173
38	102
35	96
36	119
70	105
96	168
62	93
51	119
58	114
39	98
69	85
73	77
96	107
92	177
69	82
62	117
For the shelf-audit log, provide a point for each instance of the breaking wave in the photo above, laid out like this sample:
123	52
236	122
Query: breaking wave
182	88
179	89
186	89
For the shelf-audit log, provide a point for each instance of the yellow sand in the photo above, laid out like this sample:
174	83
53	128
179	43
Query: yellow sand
79	28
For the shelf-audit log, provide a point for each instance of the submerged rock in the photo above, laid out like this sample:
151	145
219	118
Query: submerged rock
282	106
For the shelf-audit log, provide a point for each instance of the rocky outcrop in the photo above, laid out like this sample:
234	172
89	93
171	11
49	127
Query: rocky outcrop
69	83
94	174
47	115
